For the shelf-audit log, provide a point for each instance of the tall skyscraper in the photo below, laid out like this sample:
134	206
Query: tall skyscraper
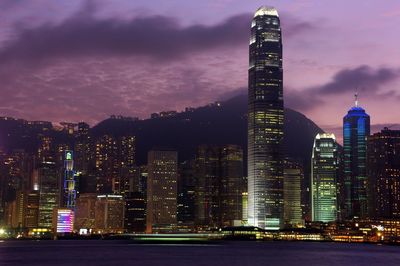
324	170
162	191
49	192
70	184
384	174
356	128
265	121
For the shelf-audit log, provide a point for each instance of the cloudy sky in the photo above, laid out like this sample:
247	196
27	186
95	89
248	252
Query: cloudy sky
84	60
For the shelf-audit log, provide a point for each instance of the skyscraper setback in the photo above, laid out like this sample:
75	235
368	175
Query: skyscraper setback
265	121
356	128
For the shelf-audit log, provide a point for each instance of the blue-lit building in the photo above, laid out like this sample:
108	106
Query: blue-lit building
356	129
69	181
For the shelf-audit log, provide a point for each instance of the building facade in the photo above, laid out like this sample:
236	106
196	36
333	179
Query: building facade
324	171
162	191
384	174
293	177
356	129
265	121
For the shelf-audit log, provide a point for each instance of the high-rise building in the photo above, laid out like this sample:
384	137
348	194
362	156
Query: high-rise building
324	170
109	214
293	175
265	121
70	184
219	185
32	209
162	191
85	214
232	185
135	212
356	128
384	174
186	194
49	192
207	186
113	158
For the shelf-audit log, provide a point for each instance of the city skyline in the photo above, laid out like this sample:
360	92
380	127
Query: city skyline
39	79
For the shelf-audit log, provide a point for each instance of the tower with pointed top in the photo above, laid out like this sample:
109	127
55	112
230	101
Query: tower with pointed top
265	121
356	129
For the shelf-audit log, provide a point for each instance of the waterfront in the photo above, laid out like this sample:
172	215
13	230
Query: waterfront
102	252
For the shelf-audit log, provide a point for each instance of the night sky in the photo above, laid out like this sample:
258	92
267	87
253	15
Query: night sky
85	60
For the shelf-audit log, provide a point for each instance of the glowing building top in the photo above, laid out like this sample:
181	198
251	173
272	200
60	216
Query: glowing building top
266	11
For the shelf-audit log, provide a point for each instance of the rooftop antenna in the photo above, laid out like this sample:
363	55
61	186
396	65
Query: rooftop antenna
356	98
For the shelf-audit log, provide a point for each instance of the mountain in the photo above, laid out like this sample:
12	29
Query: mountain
218	123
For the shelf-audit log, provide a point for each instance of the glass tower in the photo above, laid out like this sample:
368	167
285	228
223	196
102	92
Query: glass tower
69	181
356	129
324	169
265	121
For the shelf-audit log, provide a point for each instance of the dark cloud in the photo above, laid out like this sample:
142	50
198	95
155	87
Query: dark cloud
364	79
158	37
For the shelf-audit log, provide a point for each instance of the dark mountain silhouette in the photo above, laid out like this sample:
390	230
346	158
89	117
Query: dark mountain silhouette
222	123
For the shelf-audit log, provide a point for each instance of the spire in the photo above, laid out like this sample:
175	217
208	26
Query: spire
356	98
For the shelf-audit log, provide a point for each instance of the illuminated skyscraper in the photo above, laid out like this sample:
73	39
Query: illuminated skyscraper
324	170
69	181
265	121
384	174
162	191
49	192
356	128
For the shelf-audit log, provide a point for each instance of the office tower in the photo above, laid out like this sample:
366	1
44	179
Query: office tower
207	186
162	191
84	159
186	194
85	212
32	209
232	185
49	192
356	128
384	174
135	212
109	214
292	180
219	185
114	156
324	178
70	183
265	121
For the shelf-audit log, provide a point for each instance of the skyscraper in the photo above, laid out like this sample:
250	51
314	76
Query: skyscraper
356	128
69	181
49	192
324	170
293	176
162	191
265	121
219	185
384	174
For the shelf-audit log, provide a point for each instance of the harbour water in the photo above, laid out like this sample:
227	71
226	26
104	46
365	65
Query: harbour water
109	252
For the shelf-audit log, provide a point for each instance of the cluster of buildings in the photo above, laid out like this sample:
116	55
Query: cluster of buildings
83	184
356	181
